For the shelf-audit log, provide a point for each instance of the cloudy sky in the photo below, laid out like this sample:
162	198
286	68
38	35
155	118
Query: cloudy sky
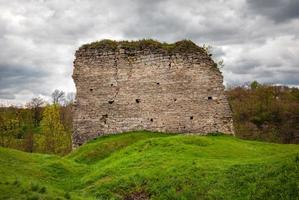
257	39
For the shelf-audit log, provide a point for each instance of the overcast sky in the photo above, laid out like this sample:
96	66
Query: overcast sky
257	39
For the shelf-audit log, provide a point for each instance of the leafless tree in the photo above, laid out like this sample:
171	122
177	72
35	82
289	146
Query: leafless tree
36	102
70	98
58	97
36	105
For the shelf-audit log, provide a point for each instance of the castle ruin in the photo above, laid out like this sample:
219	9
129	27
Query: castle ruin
147	85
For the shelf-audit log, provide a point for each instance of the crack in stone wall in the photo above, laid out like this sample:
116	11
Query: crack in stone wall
116	77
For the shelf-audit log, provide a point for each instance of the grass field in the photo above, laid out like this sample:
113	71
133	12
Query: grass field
144	165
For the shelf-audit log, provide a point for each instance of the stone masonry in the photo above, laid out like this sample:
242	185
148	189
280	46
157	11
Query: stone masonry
169	89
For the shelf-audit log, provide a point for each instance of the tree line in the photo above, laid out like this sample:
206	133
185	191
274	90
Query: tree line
39	126
265	112
260	112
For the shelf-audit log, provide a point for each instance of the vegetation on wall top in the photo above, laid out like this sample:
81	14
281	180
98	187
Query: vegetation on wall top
183	46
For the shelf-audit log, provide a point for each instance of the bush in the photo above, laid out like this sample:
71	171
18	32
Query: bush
16	182
183	46
34	187
43	190
67	195
215	134
33	197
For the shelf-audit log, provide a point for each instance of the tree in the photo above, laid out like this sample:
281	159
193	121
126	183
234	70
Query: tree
220	64
70	98
254	85
66	113
29	141
56	139
265	112
58	97
36	106
2	131
208	49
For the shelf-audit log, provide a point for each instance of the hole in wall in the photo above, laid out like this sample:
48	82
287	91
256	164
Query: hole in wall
137	100
210	98
158	83
174	99
191	117
111	102
91	89
104	118
111	84
152	120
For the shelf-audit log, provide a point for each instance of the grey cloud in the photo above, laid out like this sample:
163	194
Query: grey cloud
6	95
152	20
171	21
278	10
274	61
244	66
278	77
14	79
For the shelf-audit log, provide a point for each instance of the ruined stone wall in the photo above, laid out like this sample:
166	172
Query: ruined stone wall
120	90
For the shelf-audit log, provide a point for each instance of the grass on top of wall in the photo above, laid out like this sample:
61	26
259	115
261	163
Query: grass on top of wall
183	46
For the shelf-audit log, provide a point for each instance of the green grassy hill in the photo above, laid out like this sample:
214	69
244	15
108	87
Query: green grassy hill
145	165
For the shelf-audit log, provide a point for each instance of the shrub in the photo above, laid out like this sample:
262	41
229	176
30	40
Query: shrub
16	182
34	187
33	197
215	134
43	190
183	46
67	195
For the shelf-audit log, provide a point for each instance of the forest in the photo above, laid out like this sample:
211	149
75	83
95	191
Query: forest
260	112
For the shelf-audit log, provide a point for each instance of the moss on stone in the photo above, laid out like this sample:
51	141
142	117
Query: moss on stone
183	46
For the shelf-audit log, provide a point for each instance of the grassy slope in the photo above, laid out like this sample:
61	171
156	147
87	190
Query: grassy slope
159	166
